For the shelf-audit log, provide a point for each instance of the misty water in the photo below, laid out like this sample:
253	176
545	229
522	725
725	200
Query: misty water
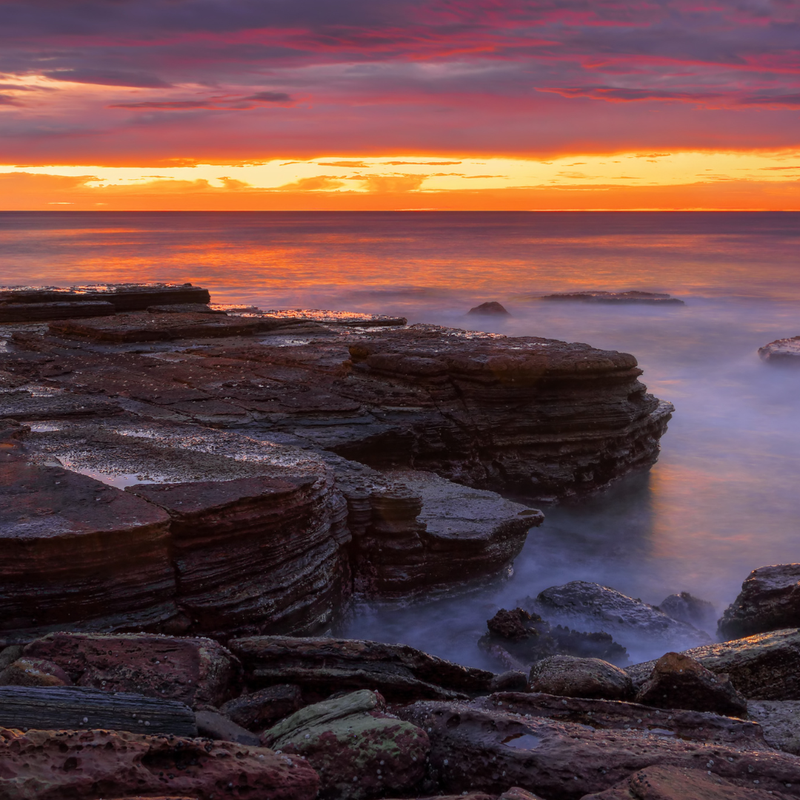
724	497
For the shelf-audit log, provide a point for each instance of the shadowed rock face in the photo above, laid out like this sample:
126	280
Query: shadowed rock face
769	600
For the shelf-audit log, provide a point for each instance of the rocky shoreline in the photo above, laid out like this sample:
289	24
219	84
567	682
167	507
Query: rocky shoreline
191	496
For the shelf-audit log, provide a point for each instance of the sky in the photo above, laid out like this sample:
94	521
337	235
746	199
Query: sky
399	104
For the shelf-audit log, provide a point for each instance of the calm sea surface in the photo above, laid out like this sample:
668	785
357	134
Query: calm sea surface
724	497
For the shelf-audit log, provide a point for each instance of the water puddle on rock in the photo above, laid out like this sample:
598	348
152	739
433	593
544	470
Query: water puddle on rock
522	741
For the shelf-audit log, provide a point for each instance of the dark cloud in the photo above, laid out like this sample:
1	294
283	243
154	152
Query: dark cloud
175	105
108	78
269	97
8	100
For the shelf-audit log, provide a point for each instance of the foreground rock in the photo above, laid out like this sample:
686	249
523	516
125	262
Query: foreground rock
592	606
678	681
358	751
473	748
72	708
618	298
52	765
581	677
324	666
769	600
780	721
194	671
781	351
761	667
680	783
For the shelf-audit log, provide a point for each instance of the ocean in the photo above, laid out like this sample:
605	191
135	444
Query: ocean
723	498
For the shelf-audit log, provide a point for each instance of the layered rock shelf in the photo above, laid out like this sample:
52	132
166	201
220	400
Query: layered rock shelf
175	467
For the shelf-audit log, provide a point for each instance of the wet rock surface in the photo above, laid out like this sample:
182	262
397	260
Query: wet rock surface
592	606
52	765
580	677
679	681
323	666
769	600
780	721
761	667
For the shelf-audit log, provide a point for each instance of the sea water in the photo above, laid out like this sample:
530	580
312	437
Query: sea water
724	497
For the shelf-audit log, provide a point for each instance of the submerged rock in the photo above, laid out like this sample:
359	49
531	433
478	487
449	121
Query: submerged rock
490	309
646	298
761	667
630	620
769	600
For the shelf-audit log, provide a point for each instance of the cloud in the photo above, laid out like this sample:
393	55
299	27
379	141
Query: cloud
319	183
269	97
9	100
342	164
168	105
107	78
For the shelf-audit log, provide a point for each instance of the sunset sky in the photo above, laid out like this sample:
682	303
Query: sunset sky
399	104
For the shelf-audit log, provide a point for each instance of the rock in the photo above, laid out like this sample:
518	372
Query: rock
492	309
184	308
681	783
65	535
615	715
358	751
629	621
51	765
761	667
73	708
581	677
38	312
193	671
510	681
769	600
780	721
473	749
519	637
646	298
679	681
322	666
687	608
785	352
8	655
34	672
217	726
261	709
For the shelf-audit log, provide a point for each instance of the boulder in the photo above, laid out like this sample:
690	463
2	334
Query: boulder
34	672
761	667
323	666
785	352
679	681
681	783
519	637
358	751
780	721
261	709
52	765
474	749
489	309
74	708
769	601
581	677
191	670
630	621
687	608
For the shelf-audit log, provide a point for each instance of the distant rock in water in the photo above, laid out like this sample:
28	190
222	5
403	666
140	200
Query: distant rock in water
492	309
781	351
645	298
685	607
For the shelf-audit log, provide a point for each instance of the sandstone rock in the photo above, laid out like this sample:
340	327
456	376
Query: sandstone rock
261	709
518	637
8	655
581	677
37	312
52	765
34	672
761	667
192	670
510	681
323	666
785	352
212	724
780	721
357	751
478	750
679	681
73	708
646	298
611	715
124	296
769	600
630	621
490	309
680	783
65	535
684	607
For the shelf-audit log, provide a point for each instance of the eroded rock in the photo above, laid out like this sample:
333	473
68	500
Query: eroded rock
780	721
